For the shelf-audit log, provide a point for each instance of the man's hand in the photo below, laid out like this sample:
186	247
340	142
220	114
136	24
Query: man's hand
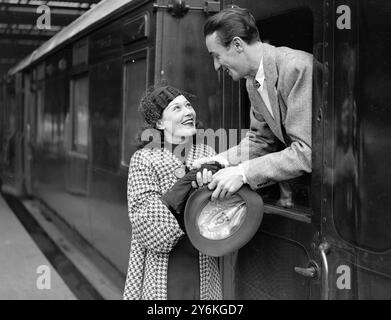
226	182
199	162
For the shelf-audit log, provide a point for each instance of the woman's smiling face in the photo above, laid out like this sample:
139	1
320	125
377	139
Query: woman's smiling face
178	120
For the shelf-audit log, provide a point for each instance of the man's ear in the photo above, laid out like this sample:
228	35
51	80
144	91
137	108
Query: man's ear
159	125
238	44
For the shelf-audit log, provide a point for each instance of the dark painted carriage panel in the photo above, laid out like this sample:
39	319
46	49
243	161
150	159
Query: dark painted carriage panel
275	251
360	219
362	120
183	61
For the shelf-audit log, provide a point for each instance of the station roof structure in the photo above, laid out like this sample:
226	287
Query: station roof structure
20	34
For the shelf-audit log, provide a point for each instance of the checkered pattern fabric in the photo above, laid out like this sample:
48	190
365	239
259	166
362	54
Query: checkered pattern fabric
155	231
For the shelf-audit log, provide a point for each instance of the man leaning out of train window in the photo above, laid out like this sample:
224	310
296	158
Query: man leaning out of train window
163	264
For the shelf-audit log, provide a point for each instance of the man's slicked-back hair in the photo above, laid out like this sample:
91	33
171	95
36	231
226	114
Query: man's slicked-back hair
230	23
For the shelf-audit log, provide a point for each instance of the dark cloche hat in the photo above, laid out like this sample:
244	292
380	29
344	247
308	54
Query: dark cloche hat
219	227
156	100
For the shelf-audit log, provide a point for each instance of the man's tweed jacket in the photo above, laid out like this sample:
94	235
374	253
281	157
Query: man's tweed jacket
288	76
155	231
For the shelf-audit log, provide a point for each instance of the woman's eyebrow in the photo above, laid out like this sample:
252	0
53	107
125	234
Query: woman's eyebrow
173	105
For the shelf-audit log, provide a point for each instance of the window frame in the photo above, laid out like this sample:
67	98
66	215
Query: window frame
142	53
72	152
310	214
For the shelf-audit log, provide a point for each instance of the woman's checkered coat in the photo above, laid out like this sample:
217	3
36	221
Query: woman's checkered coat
155	231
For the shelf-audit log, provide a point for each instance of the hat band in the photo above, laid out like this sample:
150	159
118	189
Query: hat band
165	98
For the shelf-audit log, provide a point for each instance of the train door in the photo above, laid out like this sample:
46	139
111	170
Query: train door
29	111
13	135
357	221
78	156
135	82
77	122
36	122
2	125
34	93
284	259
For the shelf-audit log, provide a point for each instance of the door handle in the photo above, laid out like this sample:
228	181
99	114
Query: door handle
309	272
324	249
312	271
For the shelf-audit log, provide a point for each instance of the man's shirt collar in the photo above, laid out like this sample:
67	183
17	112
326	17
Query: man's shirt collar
260	76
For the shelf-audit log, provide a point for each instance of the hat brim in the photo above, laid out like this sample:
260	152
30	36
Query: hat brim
218	248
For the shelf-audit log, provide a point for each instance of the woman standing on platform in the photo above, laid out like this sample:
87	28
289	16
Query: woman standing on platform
163	264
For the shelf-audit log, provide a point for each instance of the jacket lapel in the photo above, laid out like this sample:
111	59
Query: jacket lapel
259	105
271	76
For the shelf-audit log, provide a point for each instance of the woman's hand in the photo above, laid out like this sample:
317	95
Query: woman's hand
219	159
203	178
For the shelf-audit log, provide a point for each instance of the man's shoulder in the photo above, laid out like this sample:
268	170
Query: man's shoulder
291	65
289	59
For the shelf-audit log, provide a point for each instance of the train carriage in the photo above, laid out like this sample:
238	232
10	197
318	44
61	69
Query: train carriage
69	119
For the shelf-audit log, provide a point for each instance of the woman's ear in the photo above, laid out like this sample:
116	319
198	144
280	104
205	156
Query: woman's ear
160	125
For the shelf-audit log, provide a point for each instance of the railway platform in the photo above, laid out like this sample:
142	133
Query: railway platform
26	274
41	260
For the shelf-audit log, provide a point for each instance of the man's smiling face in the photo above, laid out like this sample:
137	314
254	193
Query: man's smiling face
230	59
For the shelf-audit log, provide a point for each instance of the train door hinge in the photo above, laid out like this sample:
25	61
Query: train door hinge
179	8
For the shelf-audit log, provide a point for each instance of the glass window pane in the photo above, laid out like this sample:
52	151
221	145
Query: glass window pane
80	115
135	86
105	107
40	108
362	115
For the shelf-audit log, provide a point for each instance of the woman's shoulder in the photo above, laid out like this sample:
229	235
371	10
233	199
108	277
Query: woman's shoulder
138	155
145	155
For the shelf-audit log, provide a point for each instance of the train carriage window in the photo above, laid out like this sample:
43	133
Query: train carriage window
264	267
10	128
105	111
292	29
40	114
40	102
80	114
135	83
